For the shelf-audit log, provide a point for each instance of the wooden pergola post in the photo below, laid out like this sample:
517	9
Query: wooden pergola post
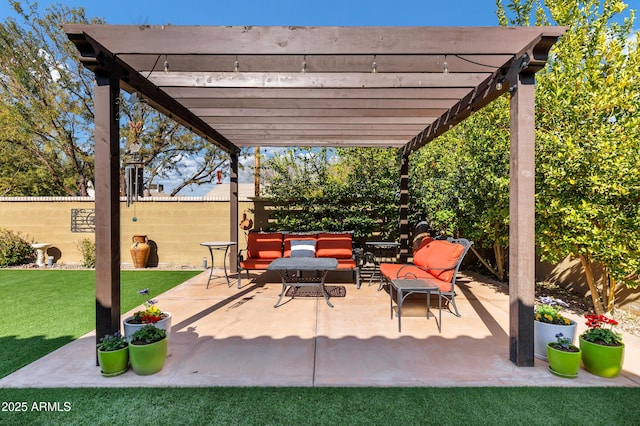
404	207
107	204
522	221
233	211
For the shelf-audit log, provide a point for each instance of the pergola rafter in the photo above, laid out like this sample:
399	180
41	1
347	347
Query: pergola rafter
396	87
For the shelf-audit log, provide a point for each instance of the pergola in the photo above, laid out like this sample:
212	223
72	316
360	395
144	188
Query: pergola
395	87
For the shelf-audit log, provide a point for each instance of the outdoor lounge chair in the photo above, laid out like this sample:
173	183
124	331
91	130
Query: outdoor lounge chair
436	261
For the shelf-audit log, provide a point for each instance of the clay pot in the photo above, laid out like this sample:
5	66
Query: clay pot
140	250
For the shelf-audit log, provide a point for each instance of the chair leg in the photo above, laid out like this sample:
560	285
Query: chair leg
356	271
452	301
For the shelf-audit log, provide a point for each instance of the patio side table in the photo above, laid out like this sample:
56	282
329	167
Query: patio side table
219	245
405	288
379	252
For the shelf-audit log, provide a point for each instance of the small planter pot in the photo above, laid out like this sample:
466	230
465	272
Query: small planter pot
601	360
564	363
148	359
130	328
544	333
113	363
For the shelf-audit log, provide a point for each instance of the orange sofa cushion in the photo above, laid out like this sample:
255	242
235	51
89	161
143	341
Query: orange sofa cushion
255	263
346	264
338	245
438	254
264	245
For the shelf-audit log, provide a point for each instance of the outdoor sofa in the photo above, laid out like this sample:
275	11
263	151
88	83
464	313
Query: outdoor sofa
264	247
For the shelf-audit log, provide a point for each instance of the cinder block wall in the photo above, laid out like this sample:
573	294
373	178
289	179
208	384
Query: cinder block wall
175	226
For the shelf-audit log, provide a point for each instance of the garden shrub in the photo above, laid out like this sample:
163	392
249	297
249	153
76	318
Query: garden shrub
14	250
88	250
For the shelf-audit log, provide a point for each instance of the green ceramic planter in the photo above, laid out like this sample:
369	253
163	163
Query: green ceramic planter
113	363
563	363
148	359
603	361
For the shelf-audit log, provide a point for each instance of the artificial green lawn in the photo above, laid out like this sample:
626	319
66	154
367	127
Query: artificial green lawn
41	311
331	406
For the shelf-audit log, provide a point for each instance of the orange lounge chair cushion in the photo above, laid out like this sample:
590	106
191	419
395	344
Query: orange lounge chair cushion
264	245
336	245
394	271
435	255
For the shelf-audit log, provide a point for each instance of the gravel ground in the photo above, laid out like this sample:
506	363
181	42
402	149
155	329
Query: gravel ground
627	322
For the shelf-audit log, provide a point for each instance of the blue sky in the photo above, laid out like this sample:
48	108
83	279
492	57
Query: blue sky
286	12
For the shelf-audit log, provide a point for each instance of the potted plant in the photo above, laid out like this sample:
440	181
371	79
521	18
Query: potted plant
548	323
148	350
602	348
564	357
113	355
151	314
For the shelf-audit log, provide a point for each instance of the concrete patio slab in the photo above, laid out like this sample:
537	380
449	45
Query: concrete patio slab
235	337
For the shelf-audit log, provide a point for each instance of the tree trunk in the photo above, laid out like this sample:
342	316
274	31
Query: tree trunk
611	299
487	264
595	294
498	252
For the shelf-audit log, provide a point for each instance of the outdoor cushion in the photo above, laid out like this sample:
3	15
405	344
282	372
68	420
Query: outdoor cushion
255	263
439	257
303	248
394	271
264	245
289	237
346	264
336	245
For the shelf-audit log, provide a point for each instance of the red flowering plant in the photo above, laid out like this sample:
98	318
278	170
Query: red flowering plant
151	314
598	332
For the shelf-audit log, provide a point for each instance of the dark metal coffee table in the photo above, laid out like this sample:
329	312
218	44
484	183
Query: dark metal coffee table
406	288
292	270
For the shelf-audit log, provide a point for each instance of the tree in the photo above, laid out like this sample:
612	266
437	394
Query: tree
343	189
47	111
461	183
588	191
167	147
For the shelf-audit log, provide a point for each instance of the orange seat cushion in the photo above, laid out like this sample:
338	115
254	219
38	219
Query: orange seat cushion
435	255
336	245
255	263
394	271
346	264
264	245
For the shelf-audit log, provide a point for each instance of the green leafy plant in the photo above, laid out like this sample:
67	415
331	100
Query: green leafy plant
151	314
549	311
147	335
598	333
88	250
14	250
112	342
563	344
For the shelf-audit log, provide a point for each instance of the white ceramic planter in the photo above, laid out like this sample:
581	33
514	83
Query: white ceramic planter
544	333
129	328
